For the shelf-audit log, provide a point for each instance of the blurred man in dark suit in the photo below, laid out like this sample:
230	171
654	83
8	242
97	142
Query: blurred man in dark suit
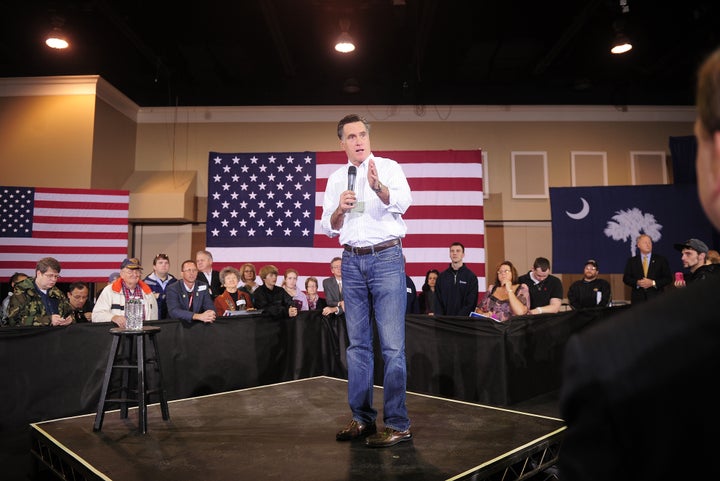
638	389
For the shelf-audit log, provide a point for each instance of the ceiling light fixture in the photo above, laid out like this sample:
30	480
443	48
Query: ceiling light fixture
621	42
56	38
344	43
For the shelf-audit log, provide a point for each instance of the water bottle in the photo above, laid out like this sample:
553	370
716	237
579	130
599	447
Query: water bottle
134	314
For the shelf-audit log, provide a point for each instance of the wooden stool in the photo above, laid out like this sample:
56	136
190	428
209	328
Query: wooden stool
127	352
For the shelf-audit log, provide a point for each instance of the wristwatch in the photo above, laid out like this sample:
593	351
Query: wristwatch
379	188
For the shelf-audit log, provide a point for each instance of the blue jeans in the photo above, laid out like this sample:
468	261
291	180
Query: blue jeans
380	276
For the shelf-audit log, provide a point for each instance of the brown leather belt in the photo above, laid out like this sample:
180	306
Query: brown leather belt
361	251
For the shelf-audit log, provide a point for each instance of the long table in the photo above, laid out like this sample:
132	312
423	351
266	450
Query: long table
57	372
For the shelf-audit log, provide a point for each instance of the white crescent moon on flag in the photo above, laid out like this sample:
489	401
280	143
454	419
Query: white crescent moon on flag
582	213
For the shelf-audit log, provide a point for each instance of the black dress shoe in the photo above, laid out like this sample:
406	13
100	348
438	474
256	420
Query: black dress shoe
356	430
388	437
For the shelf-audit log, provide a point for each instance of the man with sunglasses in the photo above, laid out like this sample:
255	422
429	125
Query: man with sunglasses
37	301
158	280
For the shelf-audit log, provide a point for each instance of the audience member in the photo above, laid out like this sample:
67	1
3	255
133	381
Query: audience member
14	279
290	285
713	257
412	306
457	286
248	278
428	299
694	252
637	392
113	277
315	302
546	290
38	301
158	280
273	300
110	304
79	298
233	298
590	291
206	273
332	286
506	297
646	273
189	299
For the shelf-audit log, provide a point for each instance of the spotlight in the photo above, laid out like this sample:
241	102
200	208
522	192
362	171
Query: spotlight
344	43
621	44
57	39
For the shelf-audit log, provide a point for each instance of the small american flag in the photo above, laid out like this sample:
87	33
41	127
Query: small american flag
85	230
265	208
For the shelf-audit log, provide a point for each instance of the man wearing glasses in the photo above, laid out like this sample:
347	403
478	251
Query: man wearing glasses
158	280
590	291
38	301
110	306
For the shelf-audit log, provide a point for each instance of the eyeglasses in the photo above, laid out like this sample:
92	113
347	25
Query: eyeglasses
335	267
51	276
190	270
504	271
162	256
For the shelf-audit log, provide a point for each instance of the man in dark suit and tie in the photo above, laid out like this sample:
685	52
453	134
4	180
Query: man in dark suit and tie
189	300
208	275
332	286
647	273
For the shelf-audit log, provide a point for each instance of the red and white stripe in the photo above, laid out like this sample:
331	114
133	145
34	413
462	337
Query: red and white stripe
447	207
85	230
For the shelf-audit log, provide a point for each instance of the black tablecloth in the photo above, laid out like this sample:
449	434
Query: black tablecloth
56	372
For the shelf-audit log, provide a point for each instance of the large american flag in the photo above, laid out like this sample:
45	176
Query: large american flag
85	230
265	208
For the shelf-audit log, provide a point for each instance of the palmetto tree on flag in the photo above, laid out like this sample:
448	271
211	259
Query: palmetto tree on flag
627	225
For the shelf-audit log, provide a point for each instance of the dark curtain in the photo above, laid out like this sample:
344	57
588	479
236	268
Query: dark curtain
683	150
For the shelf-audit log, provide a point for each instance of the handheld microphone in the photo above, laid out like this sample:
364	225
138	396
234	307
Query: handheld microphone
352	172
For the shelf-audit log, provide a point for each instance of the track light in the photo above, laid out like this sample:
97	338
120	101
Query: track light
56	38
621	44
344	43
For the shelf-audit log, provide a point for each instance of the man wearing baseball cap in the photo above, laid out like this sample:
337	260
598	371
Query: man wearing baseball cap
110	305
590	291
694	252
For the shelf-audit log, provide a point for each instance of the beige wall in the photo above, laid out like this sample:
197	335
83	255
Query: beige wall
47	141
113	148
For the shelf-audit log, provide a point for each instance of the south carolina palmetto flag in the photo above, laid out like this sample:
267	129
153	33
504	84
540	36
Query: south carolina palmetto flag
265	208
603	223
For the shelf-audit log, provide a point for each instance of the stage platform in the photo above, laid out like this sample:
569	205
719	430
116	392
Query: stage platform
286	431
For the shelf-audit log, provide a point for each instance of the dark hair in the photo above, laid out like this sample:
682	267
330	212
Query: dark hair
426	286
47	263
77	285
708	93
542	263
349	119
458	244
161	256
14	278
512	268
189	261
